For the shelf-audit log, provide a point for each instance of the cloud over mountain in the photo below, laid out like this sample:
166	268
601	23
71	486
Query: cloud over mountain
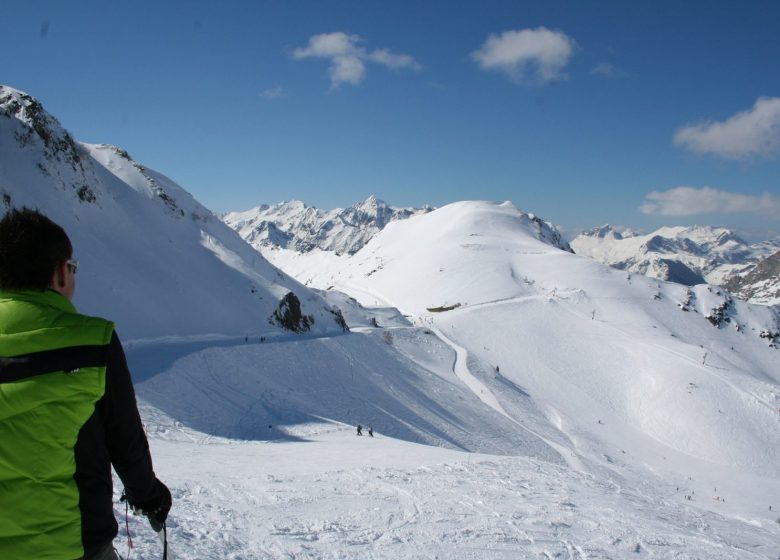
755	132
690	201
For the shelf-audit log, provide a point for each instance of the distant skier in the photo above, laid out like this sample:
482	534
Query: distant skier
359	430
498	369
371	431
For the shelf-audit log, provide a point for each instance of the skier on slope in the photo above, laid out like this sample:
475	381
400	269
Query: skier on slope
359	430
67	407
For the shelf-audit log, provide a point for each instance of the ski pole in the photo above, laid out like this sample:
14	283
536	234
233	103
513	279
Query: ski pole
162	534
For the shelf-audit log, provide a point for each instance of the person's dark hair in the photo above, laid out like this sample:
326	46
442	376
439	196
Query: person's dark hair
31	247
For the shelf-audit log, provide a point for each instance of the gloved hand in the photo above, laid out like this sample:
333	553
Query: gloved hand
155	508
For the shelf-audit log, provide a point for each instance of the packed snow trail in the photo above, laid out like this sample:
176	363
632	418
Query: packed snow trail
461	370
481	391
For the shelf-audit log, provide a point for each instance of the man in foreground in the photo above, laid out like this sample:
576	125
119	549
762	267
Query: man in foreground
67	407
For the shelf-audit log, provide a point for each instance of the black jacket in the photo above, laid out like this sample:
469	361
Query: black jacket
114	435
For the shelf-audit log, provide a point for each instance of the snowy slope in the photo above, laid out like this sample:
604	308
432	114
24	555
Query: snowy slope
310	489
294	481
687	255
639	374
294	225
153	259
337	496
615	400
400	380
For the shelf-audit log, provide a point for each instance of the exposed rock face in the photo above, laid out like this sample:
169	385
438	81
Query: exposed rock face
288	315
760	285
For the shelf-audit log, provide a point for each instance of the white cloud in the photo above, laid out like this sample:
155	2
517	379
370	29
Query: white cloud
346	70
690	201
755	132
604	69
539	53
348	59
391	60
273	93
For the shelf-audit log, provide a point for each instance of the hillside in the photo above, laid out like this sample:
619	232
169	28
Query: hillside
686	255
633	417
637	373
152	258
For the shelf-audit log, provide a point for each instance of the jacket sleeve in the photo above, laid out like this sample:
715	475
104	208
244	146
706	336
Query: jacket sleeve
125	438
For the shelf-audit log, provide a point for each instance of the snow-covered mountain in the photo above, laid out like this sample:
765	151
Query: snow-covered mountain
294	225
627	416
691	370
687	255
761	284
568	409
153	259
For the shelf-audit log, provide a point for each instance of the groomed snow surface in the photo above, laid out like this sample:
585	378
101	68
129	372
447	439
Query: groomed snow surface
337	496
262	480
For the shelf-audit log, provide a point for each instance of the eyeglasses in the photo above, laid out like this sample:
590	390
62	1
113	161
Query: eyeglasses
73	264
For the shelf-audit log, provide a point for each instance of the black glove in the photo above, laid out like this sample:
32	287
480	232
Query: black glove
155	508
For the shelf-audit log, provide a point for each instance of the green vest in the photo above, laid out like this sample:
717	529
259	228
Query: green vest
40	420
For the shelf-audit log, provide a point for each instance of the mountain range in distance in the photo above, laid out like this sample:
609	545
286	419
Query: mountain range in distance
685	255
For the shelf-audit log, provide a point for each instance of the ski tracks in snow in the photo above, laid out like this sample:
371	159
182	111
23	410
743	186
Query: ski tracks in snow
461	370
451	505
483	393
340	497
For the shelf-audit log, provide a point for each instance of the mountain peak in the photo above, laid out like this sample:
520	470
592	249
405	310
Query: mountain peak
603	231
142	236
38	127
372	206
303	228
371	202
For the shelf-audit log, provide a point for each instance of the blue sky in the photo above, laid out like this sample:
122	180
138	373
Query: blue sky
638	114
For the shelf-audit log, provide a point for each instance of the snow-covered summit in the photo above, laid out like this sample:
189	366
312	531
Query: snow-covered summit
294	225
38	125
154	259
687	255
600	232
